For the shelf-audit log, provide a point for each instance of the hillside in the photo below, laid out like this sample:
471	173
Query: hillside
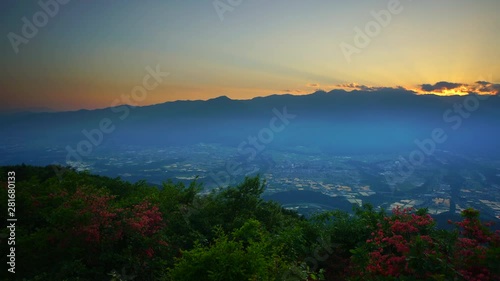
88	227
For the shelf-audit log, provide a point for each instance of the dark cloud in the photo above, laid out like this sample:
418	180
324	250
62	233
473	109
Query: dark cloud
487	87
315	85
482	82
439	86
356	86
365	88
442	87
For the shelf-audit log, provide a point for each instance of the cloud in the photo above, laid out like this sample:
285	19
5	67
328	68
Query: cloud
449	88
487	87
482	82
356	86
291	91
440	86
314	85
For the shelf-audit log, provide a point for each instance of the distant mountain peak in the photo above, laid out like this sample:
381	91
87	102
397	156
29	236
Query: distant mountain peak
319	92
221	98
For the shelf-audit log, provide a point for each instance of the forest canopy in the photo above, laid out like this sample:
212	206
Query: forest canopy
79	226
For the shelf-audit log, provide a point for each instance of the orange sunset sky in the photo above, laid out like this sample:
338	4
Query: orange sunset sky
88	54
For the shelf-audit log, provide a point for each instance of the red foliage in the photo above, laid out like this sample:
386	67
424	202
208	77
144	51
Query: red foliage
96	215
394	244
473	245
146	219
96	222
149	252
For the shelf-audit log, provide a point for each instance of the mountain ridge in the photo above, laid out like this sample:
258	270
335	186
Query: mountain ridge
371	121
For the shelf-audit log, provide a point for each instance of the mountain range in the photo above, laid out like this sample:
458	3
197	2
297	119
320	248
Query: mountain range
340	122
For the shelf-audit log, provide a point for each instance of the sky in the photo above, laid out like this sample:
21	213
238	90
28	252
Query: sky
96	54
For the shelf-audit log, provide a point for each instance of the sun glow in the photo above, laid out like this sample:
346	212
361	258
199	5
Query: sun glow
462	90
446	92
